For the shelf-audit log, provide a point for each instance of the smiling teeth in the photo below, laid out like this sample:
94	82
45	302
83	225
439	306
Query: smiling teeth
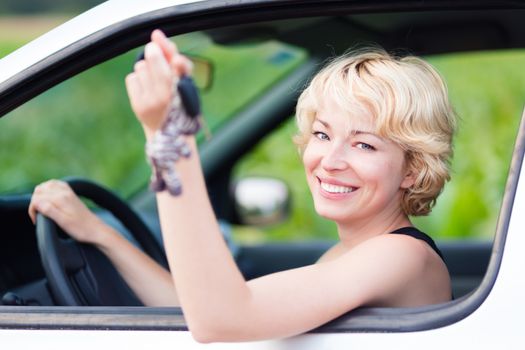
336	189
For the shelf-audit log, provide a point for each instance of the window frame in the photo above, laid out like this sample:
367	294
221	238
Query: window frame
181	19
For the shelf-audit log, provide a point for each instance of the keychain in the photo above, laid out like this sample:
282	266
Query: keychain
168	145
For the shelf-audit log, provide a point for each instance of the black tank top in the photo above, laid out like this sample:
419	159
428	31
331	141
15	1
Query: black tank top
414	232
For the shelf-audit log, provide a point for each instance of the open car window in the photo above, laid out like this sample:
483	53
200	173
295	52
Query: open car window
252	75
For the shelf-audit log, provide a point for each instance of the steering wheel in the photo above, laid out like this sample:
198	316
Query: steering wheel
79	274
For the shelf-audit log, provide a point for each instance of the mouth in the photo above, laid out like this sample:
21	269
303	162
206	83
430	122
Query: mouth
336	189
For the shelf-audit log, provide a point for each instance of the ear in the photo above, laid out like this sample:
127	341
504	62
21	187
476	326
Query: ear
409	180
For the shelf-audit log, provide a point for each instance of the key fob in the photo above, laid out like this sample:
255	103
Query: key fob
188	92
189	96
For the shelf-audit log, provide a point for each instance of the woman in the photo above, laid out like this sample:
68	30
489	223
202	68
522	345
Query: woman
375	134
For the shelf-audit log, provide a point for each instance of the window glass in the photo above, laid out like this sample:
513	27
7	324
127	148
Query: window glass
81	127
487	90
85	127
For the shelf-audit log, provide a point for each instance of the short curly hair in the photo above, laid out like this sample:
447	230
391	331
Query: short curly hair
408	100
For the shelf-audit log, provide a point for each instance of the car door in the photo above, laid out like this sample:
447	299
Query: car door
106	35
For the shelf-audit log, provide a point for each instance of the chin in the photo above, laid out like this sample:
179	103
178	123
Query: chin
332	214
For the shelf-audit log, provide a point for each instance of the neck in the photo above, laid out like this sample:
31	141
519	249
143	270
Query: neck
353	233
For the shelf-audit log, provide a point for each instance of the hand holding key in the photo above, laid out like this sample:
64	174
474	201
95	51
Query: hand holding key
166	102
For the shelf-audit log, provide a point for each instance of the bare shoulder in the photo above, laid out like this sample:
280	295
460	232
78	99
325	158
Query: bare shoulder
401	249
406	271
397	245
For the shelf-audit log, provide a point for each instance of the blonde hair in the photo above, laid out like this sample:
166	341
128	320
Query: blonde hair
409	102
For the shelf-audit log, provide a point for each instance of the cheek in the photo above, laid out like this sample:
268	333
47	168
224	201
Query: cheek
369	166
393	174
310	157
382	172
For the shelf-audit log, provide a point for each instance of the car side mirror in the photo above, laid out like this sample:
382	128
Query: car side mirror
261	201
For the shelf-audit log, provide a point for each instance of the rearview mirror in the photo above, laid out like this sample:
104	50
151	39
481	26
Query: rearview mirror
202	70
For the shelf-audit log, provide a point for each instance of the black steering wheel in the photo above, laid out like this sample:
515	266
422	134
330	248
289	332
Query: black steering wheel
79	274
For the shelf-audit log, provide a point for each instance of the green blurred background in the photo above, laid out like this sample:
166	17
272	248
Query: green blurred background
89	130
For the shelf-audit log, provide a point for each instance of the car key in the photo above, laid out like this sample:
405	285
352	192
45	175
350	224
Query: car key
187	90
168	144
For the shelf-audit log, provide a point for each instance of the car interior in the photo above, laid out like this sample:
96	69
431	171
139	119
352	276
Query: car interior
41	268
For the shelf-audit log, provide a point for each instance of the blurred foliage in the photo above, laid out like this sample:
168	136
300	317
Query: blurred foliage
58	133
487	90
24	20
46	6
85	126
82	127
17	30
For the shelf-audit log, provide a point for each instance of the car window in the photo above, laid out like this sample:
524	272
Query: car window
85	127
487	90
69	130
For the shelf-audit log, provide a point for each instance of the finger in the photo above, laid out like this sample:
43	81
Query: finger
160	73
52	184
134	89
31	210
38	188
64	198
182	65
48	192
148	104
143	79
133	86
61	183
47	208
44	187
169	49
33	205
140	69
157	65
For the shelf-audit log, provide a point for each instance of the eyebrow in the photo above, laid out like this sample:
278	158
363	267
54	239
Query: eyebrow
373	134
361	132
352	132
325	124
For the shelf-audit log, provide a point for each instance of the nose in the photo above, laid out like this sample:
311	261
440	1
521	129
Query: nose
336	157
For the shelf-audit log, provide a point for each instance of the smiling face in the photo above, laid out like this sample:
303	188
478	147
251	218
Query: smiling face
405	102
354	175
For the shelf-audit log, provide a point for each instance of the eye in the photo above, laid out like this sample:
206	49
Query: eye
321	135
365	146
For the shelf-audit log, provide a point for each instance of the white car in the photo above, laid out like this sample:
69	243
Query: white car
251	59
